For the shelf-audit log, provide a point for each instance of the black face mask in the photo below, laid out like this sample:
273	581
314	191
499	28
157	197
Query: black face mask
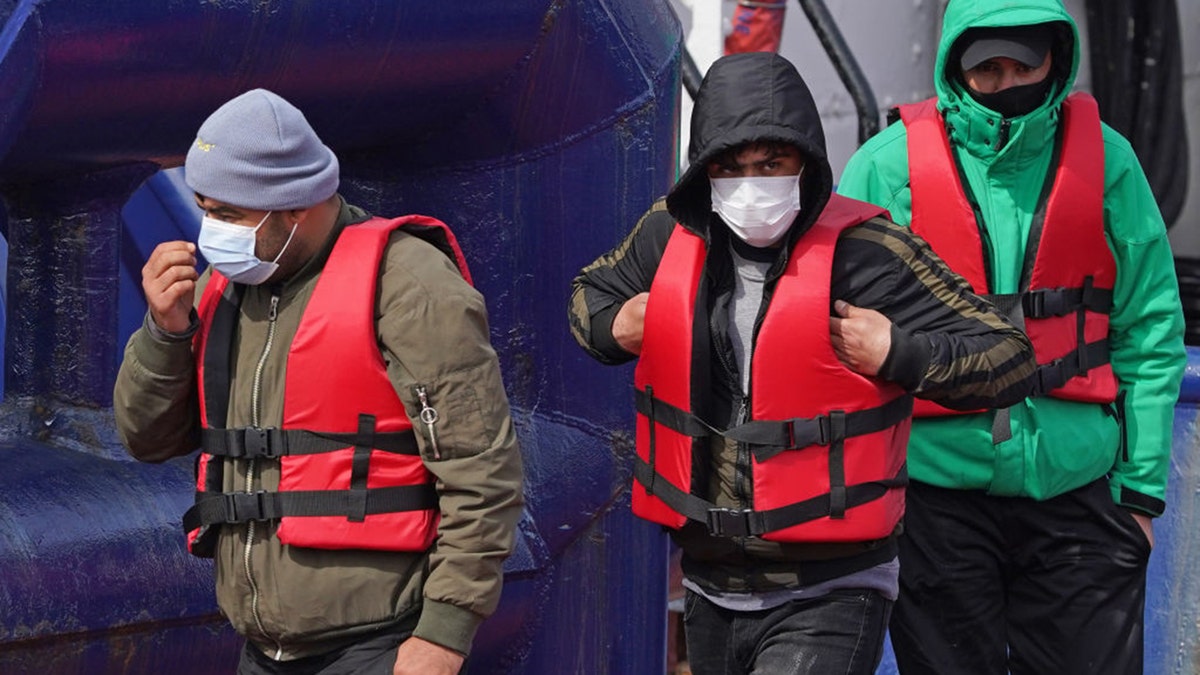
1015	101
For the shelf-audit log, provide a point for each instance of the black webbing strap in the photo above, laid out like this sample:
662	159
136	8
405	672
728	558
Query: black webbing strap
837	464
650	416
360	465
218	354
1001	425
723	522
1051	376
254	442
1047	302
672	417
1044	303
771	437
1010	305
241	507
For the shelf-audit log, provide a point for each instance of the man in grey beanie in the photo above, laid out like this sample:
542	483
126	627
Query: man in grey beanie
359	480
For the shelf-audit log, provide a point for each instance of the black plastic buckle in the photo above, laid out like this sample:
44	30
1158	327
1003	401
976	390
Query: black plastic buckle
823	435
1047	302
1034	304
1051	376
241	507
729	522
257	442
825	430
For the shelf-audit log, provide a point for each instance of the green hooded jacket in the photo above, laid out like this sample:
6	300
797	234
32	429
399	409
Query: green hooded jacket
1056	445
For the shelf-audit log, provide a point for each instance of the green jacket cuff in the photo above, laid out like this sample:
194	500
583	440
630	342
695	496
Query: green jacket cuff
1137	501
448	625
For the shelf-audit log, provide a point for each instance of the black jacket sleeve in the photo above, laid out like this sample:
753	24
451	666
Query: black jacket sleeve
601	288
948	344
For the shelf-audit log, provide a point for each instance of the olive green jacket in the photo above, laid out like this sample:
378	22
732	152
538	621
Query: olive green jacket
432	330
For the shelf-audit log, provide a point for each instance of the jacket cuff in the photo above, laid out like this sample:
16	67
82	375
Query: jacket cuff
602	336
907	360
448	625
160	352
167	336
1136	501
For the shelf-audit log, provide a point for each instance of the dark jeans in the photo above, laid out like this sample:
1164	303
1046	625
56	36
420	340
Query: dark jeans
990	585
838	633
374	655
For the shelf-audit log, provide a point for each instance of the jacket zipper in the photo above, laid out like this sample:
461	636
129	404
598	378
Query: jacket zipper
255	416
742	468
1002	136
743	458
428	415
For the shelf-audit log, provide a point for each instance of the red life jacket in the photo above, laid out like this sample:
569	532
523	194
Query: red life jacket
1067	295
350	472
828	444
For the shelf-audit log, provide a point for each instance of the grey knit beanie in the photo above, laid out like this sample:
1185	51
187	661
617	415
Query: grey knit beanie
258	152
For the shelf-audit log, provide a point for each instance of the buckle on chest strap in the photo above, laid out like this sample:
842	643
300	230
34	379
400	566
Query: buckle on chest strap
1047	302
734	523
257	443
245	506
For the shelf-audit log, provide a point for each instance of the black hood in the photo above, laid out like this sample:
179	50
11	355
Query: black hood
756	96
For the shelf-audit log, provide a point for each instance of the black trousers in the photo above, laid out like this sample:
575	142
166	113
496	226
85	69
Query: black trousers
991	585
374	655
837	633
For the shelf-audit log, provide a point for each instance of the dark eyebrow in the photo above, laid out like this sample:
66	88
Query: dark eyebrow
227	212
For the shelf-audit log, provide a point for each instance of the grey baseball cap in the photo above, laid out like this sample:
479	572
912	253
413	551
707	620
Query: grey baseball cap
1025	44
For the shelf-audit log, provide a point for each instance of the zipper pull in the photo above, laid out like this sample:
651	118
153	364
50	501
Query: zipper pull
428	415
273	313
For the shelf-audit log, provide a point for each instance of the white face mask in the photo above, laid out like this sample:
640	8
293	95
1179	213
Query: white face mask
758	209
229	249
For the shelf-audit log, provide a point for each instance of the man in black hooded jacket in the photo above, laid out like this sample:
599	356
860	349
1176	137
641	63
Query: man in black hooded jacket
781	332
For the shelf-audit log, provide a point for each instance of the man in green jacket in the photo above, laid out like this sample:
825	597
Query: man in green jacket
360	482
1028	529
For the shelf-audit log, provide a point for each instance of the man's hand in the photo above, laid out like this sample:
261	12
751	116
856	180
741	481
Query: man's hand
629	323
422	657
861	337
169	281
1147	524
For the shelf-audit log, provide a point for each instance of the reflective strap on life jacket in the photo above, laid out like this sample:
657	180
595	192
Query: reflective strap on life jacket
255	442
241	507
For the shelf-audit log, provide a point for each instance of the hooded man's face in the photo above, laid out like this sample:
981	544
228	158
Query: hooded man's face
757	160
755	188
1008	69
1000	73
